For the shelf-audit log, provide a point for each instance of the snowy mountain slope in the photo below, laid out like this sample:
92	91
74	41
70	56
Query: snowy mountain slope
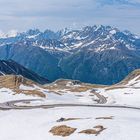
123	93
126	92
76	92
115	116
103	37
40	121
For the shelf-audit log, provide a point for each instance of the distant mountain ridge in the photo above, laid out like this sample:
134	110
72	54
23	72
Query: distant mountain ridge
12	68
94	54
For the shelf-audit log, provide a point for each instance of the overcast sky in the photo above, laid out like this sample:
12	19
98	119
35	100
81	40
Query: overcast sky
56	14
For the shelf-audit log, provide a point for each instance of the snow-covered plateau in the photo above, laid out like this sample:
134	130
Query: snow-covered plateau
71	110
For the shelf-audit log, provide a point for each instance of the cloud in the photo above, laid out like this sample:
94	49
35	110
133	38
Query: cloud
56	14
134	3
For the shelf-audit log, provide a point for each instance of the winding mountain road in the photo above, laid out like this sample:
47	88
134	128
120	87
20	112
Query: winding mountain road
101	98
11	105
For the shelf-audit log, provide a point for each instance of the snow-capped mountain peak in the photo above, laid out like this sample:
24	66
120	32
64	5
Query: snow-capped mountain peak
9	34
12	33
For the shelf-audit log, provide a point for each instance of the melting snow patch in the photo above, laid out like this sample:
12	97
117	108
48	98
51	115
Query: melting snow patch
23	87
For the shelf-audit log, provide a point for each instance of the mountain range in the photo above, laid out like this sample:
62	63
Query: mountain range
93	54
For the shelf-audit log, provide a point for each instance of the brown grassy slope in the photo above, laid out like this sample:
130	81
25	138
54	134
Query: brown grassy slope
62	84
126	80
62	130
13	82
131	76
